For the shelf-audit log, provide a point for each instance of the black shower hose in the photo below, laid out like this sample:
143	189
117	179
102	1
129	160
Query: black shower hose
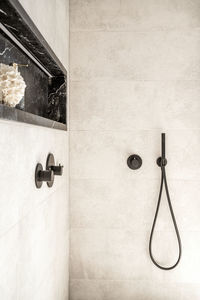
164	180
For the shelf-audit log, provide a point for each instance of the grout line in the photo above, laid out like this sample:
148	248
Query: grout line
156	30
132	80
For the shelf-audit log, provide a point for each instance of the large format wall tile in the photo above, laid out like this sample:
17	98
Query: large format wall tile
128	105
123	255
103	154
113	203
18	168
131	289
131	204
9	253
126	15
134	74
135	56
88	290
43	238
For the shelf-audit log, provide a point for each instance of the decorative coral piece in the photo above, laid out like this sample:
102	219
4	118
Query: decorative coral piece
12	85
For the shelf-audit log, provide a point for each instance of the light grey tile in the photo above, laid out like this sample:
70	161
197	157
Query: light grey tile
128	255
43	235
47	289
182	144
185	201
110	254
133	15
123	203
112	105
88	289
9	255
172	55
103	154
131	289
128	105
177	104
18	191
89	203
188	268
88	254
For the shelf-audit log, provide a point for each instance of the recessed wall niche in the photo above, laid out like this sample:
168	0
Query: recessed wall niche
25	55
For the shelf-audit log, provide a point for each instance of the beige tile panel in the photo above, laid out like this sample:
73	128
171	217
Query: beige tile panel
127	105
43	244
131	204
159	55
20	151
87	290
131	290
116	15
123	255
103	154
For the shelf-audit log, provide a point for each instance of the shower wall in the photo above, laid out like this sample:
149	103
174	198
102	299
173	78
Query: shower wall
135	72
34	222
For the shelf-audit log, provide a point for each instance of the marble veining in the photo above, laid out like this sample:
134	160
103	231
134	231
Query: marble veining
45	96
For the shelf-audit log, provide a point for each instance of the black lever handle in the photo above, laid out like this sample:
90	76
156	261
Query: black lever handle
58	170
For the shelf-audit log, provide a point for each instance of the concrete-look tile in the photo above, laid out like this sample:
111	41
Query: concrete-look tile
189	291
9	254
18	193
89	203
124	249
127	105
135	56
123	255
177	104
52	287
88	254
47	289
41	242
131	289
113	203
185	198
110	254
112	105
103	154
182	148
127	203
188	269
133	15
88	289
137	289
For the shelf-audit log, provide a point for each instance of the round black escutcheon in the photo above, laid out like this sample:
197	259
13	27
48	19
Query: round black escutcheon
134	161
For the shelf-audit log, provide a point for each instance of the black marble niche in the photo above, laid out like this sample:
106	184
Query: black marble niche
45	95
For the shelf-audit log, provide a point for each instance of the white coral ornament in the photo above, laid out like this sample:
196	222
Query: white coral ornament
12	85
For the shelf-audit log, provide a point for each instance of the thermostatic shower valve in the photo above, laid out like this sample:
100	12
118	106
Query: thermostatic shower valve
134	161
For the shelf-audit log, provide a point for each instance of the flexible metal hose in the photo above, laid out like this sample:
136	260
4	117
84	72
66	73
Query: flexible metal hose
164	180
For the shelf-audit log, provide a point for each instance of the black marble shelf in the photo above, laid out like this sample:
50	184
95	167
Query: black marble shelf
12	114
45	97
